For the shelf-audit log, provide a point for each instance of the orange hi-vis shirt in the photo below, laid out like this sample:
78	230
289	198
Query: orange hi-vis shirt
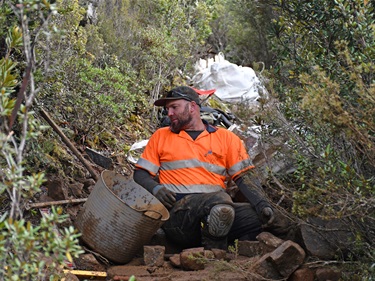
195	166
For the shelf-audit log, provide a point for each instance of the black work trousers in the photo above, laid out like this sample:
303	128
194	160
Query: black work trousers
184	224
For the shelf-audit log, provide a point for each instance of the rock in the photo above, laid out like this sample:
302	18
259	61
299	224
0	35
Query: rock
302	274
57	189
268	242
282	262
153	255
76	189
192	259
88	184
88	262
287	257
219	254
249	248
175	260
325	274
264	267
208	254
326	239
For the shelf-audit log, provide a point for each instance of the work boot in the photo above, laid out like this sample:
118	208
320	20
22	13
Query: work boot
216	226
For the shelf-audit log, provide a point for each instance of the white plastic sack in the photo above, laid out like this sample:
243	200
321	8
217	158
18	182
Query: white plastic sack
233	83
135	151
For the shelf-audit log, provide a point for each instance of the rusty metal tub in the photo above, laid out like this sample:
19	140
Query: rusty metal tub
119	217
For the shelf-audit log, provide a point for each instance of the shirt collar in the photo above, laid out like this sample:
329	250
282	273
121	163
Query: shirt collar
209	127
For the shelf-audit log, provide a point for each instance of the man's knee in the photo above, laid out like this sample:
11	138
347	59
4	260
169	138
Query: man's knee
220	215
216	226
220	220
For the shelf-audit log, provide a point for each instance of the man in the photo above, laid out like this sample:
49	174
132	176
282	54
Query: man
193	161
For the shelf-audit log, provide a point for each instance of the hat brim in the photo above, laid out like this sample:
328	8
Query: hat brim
163	101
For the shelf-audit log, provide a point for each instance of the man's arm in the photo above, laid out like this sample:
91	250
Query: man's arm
250	187
146	180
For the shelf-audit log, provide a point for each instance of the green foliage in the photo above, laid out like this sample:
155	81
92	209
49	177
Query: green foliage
14	38
324	63
156	37
241	31
325	186
93	99
71	37
306	35
27	251
324	78
35	252
234	248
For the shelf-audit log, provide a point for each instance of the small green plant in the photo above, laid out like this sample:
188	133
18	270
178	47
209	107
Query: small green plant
234	248
198	258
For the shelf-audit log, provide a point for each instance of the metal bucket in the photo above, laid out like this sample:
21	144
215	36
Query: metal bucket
119	217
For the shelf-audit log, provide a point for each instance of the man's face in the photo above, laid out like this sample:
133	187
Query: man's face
179	114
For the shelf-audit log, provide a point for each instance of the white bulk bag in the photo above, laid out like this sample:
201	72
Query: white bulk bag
233	83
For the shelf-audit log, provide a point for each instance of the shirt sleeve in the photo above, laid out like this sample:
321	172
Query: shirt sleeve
149	159
238	159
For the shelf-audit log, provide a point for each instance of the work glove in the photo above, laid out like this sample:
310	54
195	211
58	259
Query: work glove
165	196
267	217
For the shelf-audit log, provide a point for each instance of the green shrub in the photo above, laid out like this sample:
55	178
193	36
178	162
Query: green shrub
27	251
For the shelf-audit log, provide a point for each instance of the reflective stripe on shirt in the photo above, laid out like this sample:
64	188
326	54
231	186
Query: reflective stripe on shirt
240	166
147	165
193	163
193	188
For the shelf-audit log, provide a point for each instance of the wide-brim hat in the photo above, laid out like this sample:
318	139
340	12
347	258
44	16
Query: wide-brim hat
182	92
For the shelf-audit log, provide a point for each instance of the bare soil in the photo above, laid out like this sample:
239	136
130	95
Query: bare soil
237	268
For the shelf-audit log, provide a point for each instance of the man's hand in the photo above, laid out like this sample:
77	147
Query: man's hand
165	196
267	216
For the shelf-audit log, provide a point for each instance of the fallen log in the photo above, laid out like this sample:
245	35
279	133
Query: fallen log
28	206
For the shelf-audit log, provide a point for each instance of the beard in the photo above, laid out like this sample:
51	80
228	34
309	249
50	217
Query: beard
183	119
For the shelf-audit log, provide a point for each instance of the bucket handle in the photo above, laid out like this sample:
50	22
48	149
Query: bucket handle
153	214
